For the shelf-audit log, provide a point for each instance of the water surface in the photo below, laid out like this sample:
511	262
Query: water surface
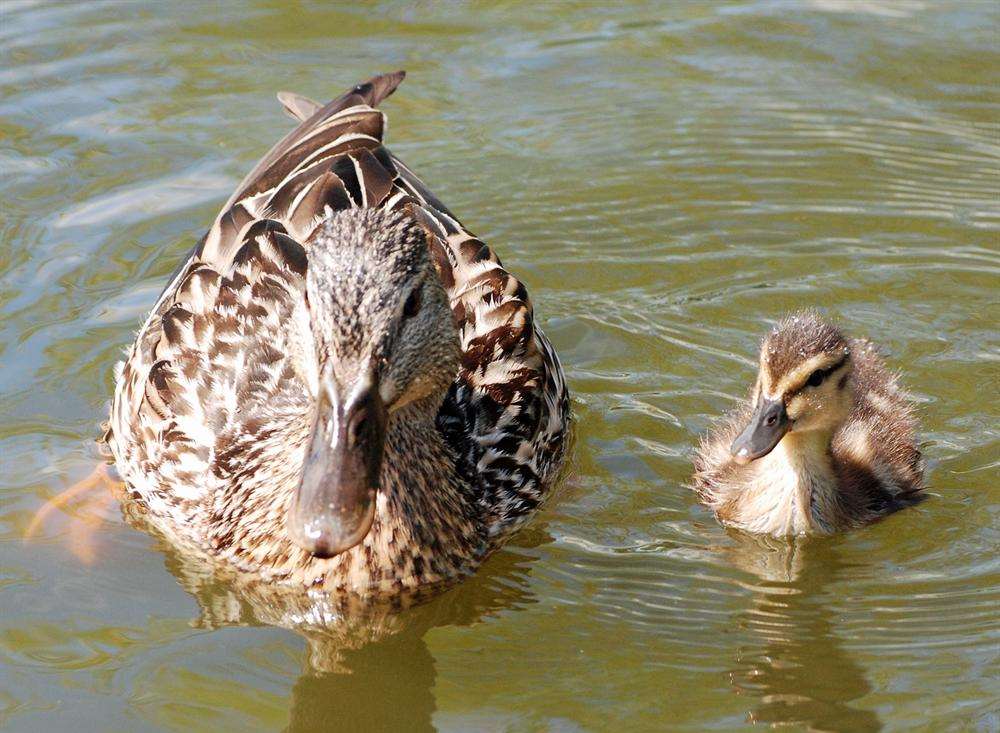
667	181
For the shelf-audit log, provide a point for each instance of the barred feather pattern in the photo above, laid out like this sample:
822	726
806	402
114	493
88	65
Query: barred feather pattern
210	413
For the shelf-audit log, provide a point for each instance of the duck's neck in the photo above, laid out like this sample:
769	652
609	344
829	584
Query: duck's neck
428	527
795	489
419	479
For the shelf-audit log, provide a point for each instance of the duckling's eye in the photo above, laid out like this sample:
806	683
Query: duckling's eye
816	378
412	305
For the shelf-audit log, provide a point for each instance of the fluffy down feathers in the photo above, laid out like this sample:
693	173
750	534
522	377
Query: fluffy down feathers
867	467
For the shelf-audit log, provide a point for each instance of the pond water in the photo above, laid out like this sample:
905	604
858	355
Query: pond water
668	180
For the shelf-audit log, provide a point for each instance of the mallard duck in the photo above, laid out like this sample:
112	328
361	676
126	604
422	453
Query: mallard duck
341	387
824	442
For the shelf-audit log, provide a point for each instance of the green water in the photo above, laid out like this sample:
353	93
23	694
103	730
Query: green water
667	180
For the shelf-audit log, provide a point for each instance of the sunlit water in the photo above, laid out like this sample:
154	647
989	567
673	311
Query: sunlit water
667	180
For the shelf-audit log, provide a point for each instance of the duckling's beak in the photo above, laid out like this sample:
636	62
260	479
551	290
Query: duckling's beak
335	503
767	427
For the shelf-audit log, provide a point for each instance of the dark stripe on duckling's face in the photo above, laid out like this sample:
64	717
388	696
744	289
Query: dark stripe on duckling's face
796	341
818	376
771	421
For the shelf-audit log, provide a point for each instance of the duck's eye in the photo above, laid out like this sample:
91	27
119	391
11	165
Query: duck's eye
412	305
816	378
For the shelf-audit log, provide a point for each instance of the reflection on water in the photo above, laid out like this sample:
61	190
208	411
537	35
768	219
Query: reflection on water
357	650
370	692
796	668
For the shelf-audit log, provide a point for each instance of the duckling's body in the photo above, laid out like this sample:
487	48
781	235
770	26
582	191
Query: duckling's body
825	441
341	388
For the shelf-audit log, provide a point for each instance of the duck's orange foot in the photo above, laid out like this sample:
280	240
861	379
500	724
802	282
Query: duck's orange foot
87	502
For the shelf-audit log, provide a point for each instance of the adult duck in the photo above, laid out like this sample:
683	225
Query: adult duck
341	387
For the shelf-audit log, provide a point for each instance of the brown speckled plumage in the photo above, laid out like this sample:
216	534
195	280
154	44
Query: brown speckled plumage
849	456
211	415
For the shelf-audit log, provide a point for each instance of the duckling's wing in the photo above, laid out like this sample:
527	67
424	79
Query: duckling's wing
880	437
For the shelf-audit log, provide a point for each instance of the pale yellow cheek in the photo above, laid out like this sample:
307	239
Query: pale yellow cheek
796	408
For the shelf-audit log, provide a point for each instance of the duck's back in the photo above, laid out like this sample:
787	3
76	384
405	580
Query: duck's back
505	416
875	451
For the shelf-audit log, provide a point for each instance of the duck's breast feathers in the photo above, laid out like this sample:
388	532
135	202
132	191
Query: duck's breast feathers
716	476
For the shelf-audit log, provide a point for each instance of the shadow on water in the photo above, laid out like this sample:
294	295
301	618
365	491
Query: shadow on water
799	672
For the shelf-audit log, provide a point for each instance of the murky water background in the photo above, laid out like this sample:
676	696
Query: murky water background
668	180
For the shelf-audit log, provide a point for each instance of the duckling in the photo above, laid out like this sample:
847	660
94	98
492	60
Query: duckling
824	442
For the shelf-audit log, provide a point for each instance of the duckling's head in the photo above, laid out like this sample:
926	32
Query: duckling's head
804	385
384	338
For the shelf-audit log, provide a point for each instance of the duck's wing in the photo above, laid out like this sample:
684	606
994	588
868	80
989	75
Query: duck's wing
506	414
250	259
878	445
327	160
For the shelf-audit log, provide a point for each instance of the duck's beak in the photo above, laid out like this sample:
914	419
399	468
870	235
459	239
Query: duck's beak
335	503
767	427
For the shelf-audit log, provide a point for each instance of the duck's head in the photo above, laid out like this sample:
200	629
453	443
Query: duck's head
384	338
804	385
